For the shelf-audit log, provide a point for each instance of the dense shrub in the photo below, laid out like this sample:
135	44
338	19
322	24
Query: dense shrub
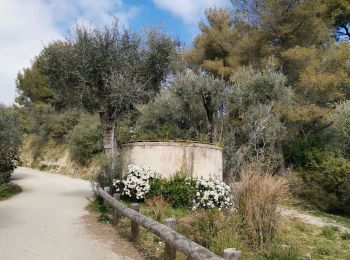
38	124
4	176
107	172
85	139
157	187
173	115
296	151
10	141
341	118
40	121
256	199
179	190
62	123
326	181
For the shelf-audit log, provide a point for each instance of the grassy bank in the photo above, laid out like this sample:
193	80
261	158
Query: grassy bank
8	190
55	157
294	239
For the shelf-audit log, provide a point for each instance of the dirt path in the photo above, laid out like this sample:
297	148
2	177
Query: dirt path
310	219
46	221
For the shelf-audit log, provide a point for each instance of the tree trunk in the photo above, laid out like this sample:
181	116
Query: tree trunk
209	109
108	127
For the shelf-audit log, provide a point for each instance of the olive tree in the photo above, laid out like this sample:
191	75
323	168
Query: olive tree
108	70
191	104
254	131
207	90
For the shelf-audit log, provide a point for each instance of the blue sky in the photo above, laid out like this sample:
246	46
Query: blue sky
28	25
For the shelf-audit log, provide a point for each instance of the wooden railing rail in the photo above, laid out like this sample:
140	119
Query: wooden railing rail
173	239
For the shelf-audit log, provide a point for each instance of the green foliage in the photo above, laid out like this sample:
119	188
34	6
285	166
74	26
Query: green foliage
40	121
104	218
107	68
296	151
345	236
188	109
109	170
324	251
338	13
98	206
214	230
313	63
205	227
10	142
329	232
326	181
63	123
32	86
339	132
5	176
277	252
85	139
8	189
170	116
179	190
254	129
156	187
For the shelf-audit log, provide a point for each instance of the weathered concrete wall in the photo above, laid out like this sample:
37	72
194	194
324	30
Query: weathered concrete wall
197	160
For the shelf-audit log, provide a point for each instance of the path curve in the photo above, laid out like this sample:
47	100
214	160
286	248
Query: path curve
45	220
313	220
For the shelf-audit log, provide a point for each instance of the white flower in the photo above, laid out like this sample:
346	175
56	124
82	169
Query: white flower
136	183
212	194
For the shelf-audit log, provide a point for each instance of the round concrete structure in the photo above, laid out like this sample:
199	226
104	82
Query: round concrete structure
166	158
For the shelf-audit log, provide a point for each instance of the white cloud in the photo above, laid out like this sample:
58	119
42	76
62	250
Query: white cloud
24	28
190	11
28	25
99	12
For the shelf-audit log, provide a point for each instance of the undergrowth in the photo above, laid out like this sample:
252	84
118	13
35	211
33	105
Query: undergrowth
8	190
98	206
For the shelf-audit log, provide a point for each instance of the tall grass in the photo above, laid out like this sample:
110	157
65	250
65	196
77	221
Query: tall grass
257	198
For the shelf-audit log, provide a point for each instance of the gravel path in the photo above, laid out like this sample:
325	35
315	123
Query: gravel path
313	220
46	221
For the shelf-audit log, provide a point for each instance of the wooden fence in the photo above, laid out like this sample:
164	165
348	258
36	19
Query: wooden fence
173	240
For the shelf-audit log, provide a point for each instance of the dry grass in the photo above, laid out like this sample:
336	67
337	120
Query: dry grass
256	199
157	205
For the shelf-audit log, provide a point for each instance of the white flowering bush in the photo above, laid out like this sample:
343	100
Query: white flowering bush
212	194
137	182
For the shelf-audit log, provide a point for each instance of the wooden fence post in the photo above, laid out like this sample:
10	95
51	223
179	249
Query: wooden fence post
170	252
108	190
232	254
116	214
135	229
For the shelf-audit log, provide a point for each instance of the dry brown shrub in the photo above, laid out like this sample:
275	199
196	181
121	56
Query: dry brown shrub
257	198
157	206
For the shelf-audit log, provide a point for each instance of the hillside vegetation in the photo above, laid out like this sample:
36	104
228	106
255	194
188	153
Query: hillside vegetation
267	80
271	89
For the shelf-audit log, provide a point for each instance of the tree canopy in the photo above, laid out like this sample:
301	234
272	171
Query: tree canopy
106	70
